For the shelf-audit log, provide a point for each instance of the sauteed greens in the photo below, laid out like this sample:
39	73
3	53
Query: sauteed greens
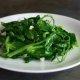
35	38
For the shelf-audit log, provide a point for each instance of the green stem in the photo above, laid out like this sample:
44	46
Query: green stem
22	49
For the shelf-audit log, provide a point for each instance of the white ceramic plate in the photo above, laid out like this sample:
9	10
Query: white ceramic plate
72	59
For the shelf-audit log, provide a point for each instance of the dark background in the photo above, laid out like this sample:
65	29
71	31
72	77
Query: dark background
69	8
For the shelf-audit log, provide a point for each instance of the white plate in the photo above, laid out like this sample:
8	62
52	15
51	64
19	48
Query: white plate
71	60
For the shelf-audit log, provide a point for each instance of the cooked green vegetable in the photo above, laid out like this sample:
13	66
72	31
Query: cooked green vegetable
34	38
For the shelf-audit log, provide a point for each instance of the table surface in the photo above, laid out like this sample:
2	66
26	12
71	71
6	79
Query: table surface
69	8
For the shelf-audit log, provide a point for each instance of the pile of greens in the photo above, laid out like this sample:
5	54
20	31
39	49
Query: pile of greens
34	38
